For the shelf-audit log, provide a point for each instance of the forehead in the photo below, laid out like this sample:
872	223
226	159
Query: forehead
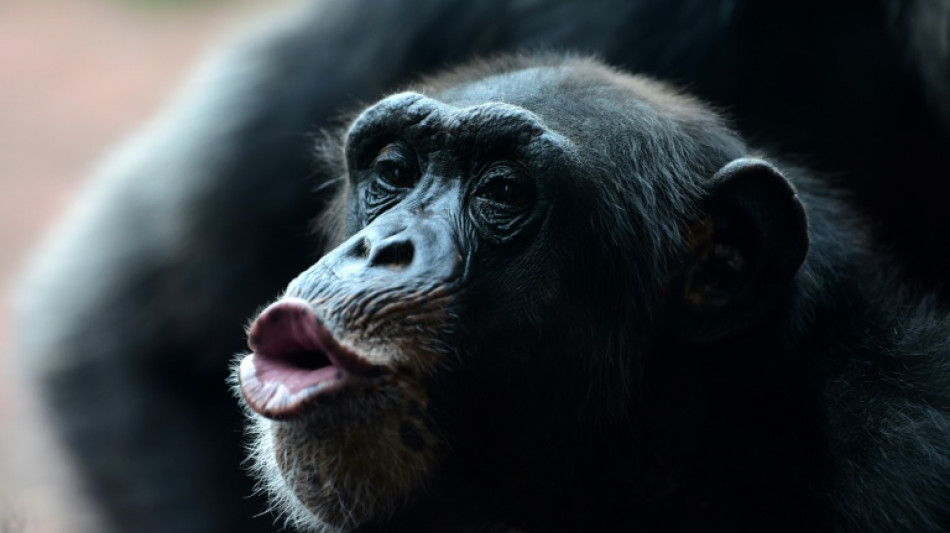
531	88
581	109
585	102
433	123
558	101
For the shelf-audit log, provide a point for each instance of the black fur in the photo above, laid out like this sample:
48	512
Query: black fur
133	309
687	340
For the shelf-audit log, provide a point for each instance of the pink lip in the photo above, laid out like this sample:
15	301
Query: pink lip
295	360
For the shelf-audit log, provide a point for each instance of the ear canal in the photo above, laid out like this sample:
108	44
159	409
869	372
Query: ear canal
743	253
717	268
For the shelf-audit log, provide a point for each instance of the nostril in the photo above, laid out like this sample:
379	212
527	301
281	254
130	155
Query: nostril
362	248
392	253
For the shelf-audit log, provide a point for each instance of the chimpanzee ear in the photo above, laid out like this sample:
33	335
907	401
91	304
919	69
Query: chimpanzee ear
744	251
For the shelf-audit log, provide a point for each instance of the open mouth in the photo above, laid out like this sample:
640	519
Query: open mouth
295	360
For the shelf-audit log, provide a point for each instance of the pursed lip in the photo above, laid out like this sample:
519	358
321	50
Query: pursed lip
296	360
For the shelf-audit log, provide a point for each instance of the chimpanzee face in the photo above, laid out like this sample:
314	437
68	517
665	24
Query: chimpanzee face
444	263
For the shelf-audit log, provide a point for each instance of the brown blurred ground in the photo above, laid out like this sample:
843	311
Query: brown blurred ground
76	76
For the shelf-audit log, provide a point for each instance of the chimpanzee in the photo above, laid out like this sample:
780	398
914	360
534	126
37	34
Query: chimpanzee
131	312
564	298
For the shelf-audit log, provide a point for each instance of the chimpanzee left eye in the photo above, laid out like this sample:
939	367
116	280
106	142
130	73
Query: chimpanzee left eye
508	185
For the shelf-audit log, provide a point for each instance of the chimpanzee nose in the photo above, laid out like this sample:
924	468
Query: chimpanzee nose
397	247
395	252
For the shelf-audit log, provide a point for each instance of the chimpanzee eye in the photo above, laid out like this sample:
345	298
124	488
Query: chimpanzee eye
508	185
396	166
507	192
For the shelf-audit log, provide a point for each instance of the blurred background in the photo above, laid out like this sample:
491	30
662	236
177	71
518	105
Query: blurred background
76	77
